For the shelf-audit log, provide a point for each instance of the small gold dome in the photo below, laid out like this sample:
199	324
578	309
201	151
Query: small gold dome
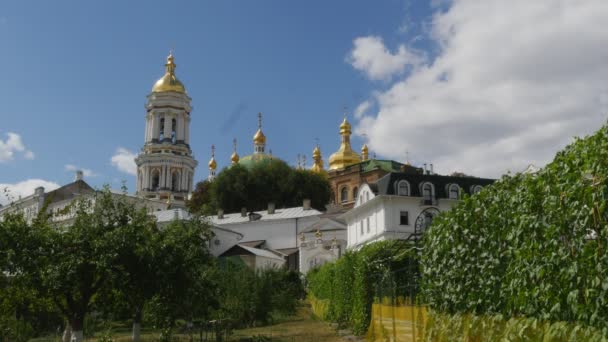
345	127
316	152
259	138
169	82
234	157
364	149
212	164
317	165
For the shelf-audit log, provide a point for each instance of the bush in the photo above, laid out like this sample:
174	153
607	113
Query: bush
530	245
350	285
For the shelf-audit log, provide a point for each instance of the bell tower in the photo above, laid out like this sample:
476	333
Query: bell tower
165	165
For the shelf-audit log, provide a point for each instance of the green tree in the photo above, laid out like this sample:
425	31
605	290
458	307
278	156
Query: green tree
254	187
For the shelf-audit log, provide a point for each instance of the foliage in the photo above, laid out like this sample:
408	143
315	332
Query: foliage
249	298
253	188
531	245
351	284
467	327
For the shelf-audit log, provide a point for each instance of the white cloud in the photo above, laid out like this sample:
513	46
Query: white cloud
124	160
370	56
11	145
12	192
513	82
85	172
362	109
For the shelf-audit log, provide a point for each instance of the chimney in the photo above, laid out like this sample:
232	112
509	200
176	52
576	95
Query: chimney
220	214
79	175
271	207
432	169
39	191
306	204
243	212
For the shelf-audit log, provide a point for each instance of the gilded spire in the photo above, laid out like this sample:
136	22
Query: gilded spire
169	82
345	155
364	152
317	165
259	138
212	162
235	156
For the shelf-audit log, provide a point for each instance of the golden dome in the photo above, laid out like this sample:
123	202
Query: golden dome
345	127
345	155
259	138
169	82
212	164
317	165
234	158
364	152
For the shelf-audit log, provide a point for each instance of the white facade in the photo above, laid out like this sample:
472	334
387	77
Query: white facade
280	230
378	217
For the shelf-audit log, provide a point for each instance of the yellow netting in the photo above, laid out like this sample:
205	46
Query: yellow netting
319	306
401	322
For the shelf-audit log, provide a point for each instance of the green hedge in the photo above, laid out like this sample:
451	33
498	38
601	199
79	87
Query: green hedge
443	327
530	245
351	283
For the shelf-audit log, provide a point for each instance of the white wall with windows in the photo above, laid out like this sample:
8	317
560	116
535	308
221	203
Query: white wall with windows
384	217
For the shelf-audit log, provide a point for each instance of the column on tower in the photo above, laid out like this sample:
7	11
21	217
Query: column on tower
155	126
187	133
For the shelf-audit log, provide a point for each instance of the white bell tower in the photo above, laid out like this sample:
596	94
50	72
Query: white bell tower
165	165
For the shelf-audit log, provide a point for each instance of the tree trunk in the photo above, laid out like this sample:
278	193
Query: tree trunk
77	325
67	334
137	325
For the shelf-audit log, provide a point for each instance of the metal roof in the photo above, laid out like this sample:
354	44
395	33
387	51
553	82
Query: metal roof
261	252
279	214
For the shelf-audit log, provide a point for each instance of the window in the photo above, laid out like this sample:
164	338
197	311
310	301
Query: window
174	181
403	189
155	180
427	191
404	218
344	194
367	223
475	189
173	130
161	134
453	191
355	191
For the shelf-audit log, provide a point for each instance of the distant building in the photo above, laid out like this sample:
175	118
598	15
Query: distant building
403	205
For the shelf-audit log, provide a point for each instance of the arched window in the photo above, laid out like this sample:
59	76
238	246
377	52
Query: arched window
344	195
475	189
428	192
161	134
175	181
355	192
453	191
403	188
155	179
173	130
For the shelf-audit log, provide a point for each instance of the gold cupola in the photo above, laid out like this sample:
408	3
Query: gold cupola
169	82
259	138
317	165
212	162
235	156
364	152
345	155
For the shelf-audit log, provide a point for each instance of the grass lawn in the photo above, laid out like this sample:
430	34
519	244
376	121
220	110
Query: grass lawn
301	327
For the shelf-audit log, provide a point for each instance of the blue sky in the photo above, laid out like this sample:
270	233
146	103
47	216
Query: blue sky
76	75
480	87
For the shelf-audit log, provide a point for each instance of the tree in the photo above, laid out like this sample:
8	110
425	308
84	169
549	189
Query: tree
237	186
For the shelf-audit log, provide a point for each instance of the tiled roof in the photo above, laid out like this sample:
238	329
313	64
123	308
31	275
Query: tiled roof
279	214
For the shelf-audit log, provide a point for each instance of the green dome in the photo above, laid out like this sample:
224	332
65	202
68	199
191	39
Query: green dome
255	159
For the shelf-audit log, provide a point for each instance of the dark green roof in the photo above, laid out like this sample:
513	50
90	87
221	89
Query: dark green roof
385	165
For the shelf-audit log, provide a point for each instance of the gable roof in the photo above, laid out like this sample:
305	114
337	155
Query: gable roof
239	249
